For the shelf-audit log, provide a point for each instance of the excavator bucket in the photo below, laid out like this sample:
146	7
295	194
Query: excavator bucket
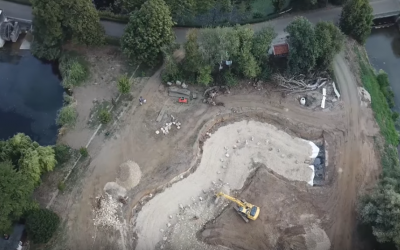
217	199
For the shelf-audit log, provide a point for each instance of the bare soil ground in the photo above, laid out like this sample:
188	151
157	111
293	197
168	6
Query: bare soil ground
106	65
290	209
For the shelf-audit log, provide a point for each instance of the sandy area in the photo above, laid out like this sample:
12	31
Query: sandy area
228	157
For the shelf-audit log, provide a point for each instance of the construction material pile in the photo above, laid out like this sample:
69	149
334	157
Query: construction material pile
211	93
168	126
105	212
301	83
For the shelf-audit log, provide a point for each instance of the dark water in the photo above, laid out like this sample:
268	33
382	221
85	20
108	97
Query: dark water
30	96
383	47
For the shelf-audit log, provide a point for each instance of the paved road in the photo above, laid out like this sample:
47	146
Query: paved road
117	29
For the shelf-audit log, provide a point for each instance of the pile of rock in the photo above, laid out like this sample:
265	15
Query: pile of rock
168	126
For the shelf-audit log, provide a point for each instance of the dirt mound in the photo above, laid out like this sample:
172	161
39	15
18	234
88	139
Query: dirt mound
129	174
288	219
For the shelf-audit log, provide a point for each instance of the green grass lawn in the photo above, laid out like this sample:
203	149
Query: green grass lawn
265	6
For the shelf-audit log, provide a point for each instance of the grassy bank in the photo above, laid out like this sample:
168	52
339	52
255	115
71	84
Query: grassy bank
380	105
377	86
379	209
74	71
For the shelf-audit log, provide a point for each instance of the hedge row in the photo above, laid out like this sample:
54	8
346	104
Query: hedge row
109	16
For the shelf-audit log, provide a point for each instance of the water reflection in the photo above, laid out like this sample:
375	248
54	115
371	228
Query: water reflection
383	48
30	96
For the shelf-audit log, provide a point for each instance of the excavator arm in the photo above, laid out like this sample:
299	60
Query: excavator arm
237	201
244	209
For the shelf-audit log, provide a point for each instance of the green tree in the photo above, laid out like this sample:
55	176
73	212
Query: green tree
132	5
204	76
67	116
15	195
330	41
148	31
278	4
217	44
381	210
171	70
41	225
62	153
245	61
261	42
57	22
104	116
356	19
303	46
124	85
193	60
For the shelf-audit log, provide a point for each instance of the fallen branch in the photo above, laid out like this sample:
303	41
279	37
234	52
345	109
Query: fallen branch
299	83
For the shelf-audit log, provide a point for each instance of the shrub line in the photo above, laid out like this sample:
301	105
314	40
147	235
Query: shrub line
117	18
80	155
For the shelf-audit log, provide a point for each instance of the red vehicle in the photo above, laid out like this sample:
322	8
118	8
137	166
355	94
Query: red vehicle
183	100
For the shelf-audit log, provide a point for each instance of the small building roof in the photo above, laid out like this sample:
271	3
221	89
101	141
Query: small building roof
281	49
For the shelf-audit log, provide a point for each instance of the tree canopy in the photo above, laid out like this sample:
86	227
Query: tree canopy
41	225
330	41
356	19
15	195
22	162
312	47
381	210
223	53
148	31
57	22
303	45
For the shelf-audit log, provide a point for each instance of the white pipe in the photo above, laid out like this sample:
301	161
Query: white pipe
336	91
323	102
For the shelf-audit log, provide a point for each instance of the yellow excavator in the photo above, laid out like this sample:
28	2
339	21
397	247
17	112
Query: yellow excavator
244	209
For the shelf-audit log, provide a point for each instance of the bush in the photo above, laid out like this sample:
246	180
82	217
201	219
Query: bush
84	152
73	70
104	116
395	116
43	52
230	79
265	74
258	15
41	225
124	85
67	99
62	153
61	186
66	116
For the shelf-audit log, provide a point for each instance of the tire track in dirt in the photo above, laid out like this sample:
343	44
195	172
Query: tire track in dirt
350	162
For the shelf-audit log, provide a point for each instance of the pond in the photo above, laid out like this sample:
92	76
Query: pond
30	96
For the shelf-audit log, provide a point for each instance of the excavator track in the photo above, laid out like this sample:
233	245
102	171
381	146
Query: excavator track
241	214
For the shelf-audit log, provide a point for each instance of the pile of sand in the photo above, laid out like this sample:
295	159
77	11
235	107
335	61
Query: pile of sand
129	174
